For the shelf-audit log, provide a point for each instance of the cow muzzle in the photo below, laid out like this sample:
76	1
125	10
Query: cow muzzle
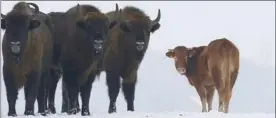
181	71
15	47
140	45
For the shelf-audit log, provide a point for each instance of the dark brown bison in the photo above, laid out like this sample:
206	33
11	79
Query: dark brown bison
124	51
27	54
207	68
86	31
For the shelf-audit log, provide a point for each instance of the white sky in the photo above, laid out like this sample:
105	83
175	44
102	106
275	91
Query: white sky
249	24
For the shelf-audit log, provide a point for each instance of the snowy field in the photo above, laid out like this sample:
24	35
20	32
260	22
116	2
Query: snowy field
161	91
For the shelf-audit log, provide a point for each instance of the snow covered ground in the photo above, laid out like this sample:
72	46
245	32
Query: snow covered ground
161	91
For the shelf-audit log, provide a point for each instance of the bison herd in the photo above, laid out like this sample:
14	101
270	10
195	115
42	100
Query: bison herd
79	44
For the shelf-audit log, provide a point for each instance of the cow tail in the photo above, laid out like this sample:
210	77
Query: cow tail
225	52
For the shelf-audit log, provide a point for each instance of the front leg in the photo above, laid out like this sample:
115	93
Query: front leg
202	94
113	83
128	86
85	95
31	88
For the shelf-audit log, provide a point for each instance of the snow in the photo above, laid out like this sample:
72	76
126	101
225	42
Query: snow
163	93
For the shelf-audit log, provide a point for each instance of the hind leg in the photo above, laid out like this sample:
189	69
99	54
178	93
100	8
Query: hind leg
129	92
52	90
210	94
12	92
31	88
85	95
65	99
113	83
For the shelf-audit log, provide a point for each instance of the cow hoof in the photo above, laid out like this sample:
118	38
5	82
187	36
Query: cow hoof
85	112
13	114
29	112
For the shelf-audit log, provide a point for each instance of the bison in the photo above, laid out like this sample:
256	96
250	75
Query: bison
86	31
124	51
207	68
27	55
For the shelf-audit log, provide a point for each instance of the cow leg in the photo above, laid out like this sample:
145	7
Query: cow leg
12	92
221	100
41	97
202	94
227	97
85	95
65	99
52	91
210	94
113	83
129	93
30	89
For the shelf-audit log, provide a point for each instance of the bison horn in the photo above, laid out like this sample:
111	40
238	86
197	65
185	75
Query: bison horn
2	15
157	19
117	12
35	7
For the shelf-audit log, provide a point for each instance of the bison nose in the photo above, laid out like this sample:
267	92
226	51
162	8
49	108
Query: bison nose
15	47
140	45
182	71
98	44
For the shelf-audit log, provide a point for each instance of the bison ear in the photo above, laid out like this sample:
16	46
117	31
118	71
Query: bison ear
3	24
113	24
192	52
125	26
170	53
154	28
81	24
34	24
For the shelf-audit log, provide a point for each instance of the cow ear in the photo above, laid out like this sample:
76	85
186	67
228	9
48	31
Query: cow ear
154	28
81	24
170	53
34	24
113	24
3	24
125	26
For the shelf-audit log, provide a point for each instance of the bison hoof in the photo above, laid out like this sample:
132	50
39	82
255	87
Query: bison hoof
43	114
52	110
85	112
13	114
72	111
29	112
78	110
112	110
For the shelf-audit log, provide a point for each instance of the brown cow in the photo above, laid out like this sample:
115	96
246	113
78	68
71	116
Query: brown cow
209	67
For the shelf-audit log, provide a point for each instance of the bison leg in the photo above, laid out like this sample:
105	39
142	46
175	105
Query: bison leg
85	95
73	89
42	97
210	95
12	92
52	90
202	94
129	93
113	83
30	89
65	99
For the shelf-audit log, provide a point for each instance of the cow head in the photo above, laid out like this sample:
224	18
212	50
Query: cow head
138	28
17	25
184	57
96	26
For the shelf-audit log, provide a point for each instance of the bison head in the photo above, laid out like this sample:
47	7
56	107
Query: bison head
96	26
184	57
138	28
17	25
